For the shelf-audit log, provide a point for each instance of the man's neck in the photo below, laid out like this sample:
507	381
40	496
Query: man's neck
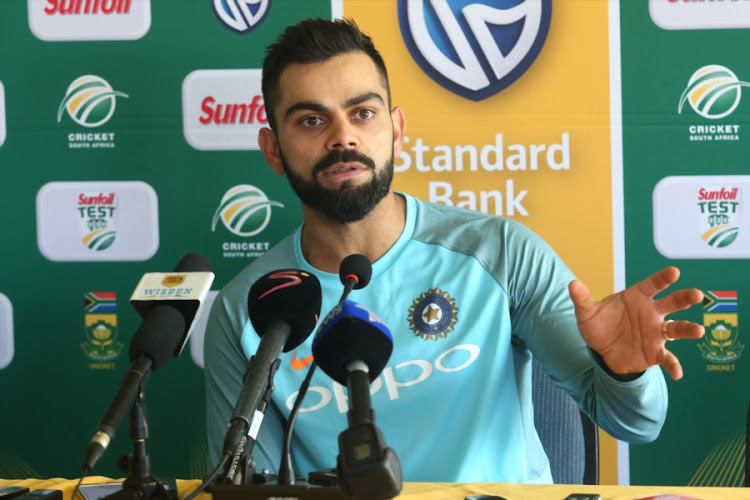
326	243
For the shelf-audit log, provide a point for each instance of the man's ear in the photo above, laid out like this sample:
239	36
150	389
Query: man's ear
399	129
269	146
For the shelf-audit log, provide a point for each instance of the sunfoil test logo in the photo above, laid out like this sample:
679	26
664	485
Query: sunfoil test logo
90	102
245	211
97	221
713	92
701	217
241	16
474	49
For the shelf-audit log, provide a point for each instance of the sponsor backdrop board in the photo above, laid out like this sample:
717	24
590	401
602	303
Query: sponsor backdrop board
125	143
127	139
686	140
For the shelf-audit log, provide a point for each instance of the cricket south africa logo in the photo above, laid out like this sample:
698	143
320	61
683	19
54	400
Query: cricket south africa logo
89	101
244	211
433	314
474	48
713	92
241	16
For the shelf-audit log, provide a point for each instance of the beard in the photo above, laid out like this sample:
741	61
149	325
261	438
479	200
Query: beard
348	203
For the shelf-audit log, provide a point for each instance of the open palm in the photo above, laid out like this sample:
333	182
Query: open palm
626	328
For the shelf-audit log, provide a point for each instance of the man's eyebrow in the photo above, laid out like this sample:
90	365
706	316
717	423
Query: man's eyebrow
315	106
359	99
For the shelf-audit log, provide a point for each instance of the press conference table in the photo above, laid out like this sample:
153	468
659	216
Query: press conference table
449	491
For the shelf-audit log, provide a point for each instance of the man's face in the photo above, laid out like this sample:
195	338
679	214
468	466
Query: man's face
335	135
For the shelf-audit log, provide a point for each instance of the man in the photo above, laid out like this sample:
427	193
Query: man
469	298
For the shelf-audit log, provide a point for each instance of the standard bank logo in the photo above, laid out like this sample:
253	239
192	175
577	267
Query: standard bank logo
702	217
700	15
474	48
244	210
97	221
6	331
63	20
89	101
2	114
241	16
713	92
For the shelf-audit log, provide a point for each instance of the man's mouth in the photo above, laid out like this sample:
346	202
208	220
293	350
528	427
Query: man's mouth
344	170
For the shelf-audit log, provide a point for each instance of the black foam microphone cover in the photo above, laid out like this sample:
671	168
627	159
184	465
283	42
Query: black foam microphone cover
192	263
289	295
158	335
352	333
357	266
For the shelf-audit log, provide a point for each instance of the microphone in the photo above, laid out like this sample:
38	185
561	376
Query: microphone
351	333
165	325
184	289
355	272
283	306
352	346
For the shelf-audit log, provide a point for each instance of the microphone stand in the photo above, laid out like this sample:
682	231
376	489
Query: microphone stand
139	483
367	468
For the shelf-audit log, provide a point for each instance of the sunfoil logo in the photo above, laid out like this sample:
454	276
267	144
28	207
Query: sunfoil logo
452	360
244	210
241	16
474	49
89	101
713	92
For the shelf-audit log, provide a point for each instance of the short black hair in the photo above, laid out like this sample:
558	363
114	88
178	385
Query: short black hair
310	41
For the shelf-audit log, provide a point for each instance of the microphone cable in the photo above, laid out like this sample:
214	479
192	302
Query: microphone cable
355	271
210	478
286	470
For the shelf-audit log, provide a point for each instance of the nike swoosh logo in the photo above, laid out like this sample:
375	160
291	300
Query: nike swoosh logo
298	364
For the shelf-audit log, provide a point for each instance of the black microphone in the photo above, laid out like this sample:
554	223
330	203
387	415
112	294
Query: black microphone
184	289
353	346
283	306
355	272
164	325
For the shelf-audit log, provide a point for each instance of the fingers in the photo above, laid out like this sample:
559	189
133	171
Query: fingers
683	330
659	281
679	300
671	365
584	303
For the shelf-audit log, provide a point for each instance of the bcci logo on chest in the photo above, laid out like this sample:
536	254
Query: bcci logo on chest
474	48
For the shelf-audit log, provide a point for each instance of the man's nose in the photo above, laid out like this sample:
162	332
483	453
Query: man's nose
342	135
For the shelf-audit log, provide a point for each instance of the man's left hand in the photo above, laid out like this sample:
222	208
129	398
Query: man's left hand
629	330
